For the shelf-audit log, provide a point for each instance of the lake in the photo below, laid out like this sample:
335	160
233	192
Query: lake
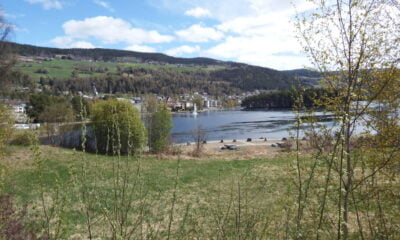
237	124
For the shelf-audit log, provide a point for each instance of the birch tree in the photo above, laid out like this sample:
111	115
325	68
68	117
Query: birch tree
355	46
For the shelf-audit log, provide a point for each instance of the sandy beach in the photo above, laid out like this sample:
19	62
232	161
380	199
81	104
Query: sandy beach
245	149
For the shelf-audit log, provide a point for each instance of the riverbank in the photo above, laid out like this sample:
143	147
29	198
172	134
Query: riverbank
243	149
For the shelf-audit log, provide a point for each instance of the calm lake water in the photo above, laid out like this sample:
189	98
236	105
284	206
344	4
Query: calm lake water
237	124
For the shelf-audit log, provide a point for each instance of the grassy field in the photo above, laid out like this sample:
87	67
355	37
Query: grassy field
62	69
197	190
76	195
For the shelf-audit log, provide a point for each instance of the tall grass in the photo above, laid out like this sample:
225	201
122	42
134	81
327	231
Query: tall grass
295	195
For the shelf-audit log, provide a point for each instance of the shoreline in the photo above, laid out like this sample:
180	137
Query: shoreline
230	141
243	149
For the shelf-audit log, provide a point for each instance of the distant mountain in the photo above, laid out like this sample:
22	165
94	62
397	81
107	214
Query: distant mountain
101	54
223	74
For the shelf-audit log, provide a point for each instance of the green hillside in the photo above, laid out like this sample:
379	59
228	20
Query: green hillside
119	71
63	69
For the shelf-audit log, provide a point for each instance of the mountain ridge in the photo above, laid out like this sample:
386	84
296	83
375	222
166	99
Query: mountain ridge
204	73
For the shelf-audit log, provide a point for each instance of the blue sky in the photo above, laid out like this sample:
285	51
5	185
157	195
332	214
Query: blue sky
257	32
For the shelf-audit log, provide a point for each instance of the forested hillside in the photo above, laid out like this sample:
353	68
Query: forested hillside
119	71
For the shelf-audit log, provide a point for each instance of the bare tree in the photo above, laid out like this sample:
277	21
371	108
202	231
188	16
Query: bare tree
7	58
355	46
199	137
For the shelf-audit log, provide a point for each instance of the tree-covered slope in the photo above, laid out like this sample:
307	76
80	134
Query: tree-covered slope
127	71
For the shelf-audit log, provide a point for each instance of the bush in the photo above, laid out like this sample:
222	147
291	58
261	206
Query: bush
24	138
118	127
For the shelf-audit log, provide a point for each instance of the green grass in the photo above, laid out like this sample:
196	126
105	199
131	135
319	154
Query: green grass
158	174
202	184
62	69
209	198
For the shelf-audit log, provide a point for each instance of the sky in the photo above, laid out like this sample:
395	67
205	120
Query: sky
256	32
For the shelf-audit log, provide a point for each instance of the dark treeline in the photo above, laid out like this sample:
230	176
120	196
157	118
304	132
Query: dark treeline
250	78
286	99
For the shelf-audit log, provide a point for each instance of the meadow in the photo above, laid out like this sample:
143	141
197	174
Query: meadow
76	195
177	198
63	69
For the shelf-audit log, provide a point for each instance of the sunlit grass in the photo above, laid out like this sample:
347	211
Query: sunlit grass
62	69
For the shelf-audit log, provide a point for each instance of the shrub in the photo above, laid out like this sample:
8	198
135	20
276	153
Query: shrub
24	138
118	127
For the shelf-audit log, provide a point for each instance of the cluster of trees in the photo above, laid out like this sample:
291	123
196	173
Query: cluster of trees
288	98
158	121
143	81
172	81
43	107
249	78
162	81
118	126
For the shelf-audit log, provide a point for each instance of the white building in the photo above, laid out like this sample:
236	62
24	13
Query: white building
18	110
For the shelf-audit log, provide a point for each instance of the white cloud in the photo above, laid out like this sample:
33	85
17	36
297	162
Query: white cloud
68	42
252	31
104	4
265	39
258	50
198	12
197	33
111	30
82	44
141	48
185	49
48	4
10	15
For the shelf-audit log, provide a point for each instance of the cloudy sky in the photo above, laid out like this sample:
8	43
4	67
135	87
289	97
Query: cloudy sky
258	32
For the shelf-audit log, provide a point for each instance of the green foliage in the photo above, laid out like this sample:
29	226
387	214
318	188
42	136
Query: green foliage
36	105
118	127
24	138
40	104
6	128
199	102
58	112
160	128
81	107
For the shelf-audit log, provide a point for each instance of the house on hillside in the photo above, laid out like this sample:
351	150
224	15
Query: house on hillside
19	113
